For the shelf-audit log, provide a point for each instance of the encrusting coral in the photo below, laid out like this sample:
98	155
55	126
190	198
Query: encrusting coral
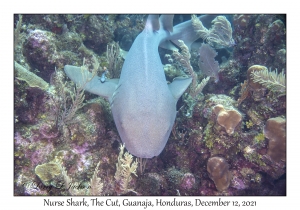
228	119
52	174
219	172
47	172
275	131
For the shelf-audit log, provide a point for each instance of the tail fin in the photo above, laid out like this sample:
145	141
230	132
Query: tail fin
152	23
165	22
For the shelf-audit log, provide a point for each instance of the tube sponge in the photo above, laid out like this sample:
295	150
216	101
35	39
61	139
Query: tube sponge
275	131
228	119
218	170
32	79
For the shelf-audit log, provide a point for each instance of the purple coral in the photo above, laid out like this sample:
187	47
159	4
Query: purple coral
38	39
41	50
40	154
238	183
80	149
48	132
187	181
41	40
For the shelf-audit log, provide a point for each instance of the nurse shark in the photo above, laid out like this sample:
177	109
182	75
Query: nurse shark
143	104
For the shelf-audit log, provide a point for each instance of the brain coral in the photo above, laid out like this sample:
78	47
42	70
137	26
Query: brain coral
228	119
218	170
275	131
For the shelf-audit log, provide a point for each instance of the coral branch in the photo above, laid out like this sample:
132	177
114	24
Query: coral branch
271	80
96	185
184	59
199	28
125	168
114	59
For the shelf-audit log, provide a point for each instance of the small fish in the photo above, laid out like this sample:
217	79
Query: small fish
103	76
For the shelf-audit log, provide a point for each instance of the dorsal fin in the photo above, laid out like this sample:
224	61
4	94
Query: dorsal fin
152	23
167	22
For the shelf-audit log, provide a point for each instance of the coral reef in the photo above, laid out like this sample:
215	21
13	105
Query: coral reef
241	20
228	138
256	43
97	32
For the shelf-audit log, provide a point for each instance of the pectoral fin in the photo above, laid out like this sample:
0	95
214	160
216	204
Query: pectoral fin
85	79
179	85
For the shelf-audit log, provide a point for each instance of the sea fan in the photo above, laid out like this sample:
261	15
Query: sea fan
219	36
207	63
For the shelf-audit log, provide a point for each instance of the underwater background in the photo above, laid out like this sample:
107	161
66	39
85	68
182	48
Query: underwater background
229	137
